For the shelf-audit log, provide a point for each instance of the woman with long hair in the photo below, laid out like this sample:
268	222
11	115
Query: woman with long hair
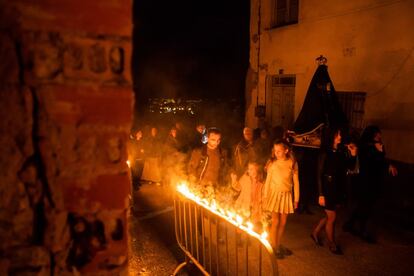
334	161
282	178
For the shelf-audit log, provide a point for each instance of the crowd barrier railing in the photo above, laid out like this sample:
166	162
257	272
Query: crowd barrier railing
218	242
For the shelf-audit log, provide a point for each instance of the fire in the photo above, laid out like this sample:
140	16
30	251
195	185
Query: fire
239	220
228	215
249	225
128	163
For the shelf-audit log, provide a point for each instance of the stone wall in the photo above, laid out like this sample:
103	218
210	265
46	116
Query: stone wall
66	110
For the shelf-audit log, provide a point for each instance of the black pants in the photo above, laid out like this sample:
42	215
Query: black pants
366	194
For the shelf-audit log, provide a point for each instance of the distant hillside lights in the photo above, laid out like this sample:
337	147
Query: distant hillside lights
174	106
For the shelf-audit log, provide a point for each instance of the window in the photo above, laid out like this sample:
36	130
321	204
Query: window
353	105
283	80
284	12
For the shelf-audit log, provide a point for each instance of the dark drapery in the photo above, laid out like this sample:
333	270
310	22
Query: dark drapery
321	105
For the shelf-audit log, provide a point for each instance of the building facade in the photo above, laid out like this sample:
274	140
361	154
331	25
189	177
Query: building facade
369	45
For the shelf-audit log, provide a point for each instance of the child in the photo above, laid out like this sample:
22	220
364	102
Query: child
282	177
250	186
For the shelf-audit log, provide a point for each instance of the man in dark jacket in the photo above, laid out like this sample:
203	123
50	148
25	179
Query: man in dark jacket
373	168
208	164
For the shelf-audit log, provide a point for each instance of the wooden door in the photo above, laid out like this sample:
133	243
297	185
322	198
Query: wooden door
281	100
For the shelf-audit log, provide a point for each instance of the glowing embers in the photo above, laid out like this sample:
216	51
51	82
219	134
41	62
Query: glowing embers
228	215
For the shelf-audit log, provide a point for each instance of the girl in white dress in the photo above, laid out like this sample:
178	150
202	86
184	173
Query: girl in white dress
250	187
282	178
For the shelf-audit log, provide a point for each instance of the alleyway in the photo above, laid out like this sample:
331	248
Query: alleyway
155	251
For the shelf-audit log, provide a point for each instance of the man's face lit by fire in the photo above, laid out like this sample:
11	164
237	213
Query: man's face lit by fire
213	140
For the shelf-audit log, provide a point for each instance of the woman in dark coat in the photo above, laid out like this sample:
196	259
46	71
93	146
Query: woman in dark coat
373	168
334	161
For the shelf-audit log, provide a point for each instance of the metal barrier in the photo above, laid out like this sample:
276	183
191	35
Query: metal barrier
219	243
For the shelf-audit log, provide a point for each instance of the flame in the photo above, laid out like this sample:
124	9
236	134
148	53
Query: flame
249	225
128	163
239	219
264	235
228	215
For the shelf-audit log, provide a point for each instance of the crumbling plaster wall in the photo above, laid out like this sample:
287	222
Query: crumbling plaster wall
66	110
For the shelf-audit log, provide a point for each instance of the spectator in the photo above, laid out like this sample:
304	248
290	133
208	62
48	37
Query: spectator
208	164
373	168
171	158
244	152
200	136
263	147
334	161
282	178
171	143
151	172
249	187
136	157
182	137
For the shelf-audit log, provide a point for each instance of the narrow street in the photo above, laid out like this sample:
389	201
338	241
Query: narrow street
154	249
155	252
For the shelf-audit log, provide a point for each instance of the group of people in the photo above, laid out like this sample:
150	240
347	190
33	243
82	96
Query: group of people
256	196
153	155
262	178
363	164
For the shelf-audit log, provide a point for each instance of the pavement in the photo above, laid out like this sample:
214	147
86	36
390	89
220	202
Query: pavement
154	250
153	247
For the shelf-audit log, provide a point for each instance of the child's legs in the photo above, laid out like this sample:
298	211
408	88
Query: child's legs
281	229
273	229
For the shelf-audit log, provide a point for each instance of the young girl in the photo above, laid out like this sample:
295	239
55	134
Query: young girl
250	187
282	178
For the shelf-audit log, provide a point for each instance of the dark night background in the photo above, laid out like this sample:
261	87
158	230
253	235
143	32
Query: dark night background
190	49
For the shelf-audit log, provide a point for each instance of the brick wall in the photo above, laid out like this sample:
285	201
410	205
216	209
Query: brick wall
66	108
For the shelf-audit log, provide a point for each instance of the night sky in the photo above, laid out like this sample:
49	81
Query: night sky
190	49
